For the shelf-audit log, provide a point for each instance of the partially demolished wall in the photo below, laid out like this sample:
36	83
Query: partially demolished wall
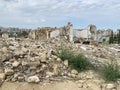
48	32
92	35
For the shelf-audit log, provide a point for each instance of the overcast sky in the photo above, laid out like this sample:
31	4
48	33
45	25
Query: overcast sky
40	13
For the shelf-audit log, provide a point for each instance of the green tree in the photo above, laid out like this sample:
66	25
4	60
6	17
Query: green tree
119	36
111	38
24	33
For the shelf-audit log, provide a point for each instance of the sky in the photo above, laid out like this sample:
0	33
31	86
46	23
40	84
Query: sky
57	13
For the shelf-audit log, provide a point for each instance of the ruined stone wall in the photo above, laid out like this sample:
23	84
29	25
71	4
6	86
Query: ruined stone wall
47	32
32	34
70	30
103	34
82	33
108	32
88	33
55	33
99	35
40	34
5	36
92	29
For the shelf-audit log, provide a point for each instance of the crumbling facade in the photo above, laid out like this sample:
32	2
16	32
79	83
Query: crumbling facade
40	33
5	35
48	32
92	35
103	35
86	35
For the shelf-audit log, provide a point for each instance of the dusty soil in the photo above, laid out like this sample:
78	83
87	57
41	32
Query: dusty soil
67	85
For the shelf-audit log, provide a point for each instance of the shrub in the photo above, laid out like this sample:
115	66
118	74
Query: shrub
78	62
65	53
110	72
22	34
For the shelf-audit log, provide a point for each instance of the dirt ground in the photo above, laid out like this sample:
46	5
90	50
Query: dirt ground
26	86
67	85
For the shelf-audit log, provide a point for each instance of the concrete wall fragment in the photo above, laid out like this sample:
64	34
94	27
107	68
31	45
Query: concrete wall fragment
5	36
54	33
48	32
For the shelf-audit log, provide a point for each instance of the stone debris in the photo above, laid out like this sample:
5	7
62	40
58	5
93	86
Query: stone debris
110	87
74	72
89	81
8	71
30	61
2	76
36	61
66	63
33	79
15	64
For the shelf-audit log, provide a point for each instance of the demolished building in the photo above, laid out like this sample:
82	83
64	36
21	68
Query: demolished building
86	35
103	36
92	35
48	32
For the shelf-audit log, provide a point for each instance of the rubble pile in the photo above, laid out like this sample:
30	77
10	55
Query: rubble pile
30	61
91	81
100	54
36	61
